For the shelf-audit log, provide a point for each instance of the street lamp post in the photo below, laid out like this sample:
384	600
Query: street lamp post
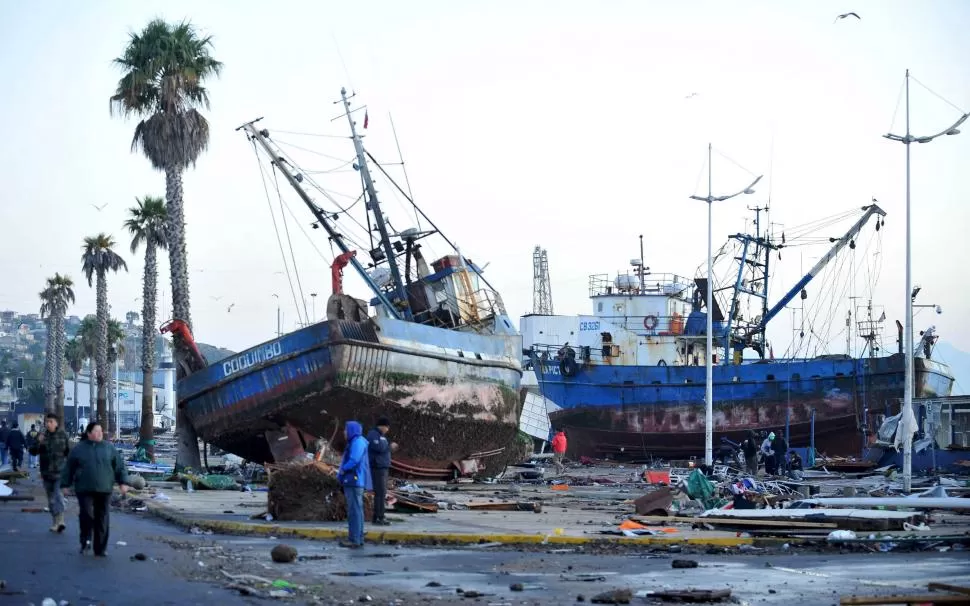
709	362
907	412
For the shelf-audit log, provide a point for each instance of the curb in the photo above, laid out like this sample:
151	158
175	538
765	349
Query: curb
437	538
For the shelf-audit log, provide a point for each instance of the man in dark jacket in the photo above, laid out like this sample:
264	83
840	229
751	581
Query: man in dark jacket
92	468
4	432
15	444
379	453
53	449
31	441
780	448
750	449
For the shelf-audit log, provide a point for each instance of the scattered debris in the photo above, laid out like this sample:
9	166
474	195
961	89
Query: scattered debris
689	595
616	596
684	564
283	554
308	491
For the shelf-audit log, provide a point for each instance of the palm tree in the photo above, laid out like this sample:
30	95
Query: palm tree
147	225
75	355
50	392
88	333
165	68
98	259
58	295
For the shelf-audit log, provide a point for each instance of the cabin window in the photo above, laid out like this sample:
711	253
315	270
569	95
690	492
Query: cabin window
770	377
478	356
599	306
607	337
461	354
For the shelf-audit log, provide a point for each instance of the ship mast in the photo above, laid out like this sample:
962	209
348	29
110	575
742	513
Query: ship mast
262	138
400	295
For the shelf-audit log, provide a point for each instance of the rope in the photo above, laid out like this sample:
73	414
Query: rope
289	240
279	240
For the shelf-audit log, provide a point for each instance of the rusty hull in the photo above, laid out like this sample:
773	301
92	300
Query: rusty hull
273	401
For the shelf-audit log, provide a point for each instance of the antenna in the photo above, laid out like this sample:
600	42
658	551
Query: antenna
541	286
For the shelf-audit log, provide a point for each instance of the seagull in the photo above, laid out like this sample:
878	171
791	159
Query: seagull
228	309
848	15
100	208
690	95
216	298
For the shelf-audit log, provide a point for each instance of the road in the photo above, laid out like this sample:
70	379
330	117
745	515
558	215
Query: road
184	568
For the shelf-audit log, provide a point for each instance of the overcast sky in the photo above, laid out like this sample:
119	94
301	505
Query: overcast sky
561	124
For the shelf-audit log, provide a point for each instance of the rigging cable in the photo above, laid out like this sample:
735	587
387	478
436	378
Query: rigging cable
269	203
289	240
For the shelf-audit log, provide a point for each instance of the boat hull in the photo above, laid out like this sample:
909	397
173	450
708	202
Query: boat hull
660	410
451	396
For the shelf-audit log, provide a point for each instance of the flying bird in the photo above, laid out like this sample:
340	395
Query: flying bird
100	208
690	95
228	309
216	298
848	15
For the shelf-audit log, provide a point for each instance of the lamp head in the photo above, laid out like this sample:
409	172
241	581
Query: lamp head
939	309
953	131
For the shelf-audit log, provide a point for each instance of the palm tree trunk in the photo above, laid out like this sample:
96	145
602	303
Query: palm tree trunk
60	343
101	355
76	404
149	294
188	441
92	398
49	391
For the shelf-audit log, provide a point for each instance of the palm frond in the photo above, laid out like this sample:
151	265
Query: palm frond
99	256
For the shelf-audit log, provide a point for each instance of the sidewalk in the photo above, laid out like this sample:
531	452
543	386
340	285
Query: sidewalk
561	522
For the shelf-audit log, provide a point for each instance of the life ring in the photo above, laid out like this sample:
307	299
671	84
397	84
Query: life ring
650	322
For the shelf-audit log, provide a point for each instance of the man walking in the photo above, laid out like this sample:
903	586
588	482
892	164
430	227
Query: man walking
4	432
354	476
53	449
31	441
559	450
92	468
15	444
379	452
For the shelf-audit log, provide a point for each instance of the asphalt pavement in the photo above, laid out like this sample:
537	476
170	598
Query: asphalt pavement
36	564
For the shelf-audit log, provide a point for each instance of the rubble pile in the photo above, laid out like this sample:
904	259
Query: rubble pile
308	491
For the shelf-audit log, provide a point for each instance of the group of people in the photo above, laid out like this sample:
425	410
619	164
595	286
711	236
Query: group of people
91	468
365	465
778	459
14	443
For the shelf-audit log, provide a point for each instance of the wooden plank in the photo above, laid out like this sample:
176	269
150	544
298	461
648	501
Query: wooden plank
932	598
733	522
950	588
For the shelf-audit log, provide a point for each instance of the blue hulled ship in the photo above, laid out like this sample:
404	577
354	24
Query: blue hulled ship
630	377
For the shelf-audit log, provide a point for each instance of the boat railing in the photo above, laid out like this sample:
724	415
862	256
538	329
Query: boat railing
629	283
548	354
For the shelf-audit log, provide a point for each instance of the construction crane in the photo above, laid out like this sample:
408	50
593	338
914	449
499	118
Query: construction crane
541	286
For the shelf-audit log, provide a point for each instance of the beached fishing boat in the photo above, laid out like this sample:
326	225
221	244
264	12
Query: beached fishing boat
629	377
439	355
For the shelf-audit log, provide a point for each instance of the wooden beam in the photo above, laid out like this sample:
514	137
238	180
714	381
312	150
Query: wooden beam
733	522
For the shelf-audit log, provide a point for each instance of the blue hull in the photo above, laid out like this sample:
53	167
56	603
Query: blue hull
659	410
450	395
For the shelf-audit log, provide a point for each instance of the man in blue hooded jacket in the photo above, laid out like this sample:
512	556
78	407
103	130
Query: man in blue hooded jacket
354	476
